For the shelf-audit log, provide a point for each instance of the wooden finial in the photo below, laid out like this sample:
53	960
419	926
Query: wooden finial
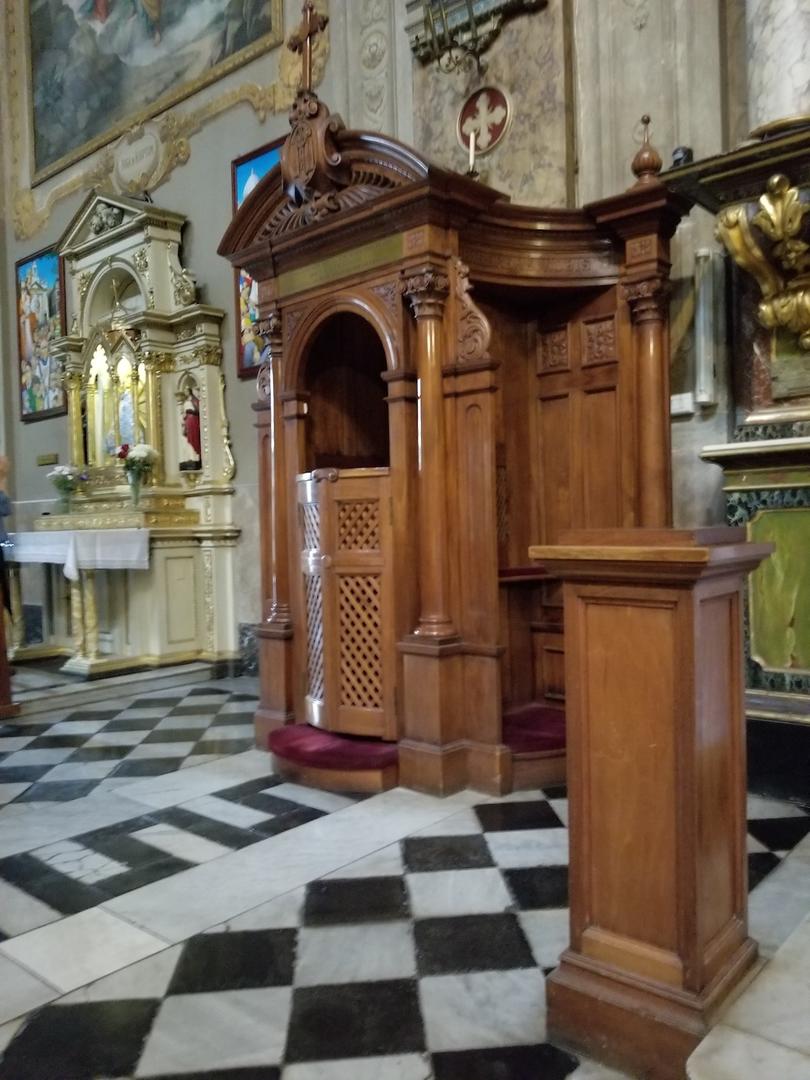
647	163
301	39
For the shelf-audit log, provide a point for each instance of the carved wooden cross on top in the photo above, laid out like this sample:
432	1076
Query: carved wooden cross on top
301	40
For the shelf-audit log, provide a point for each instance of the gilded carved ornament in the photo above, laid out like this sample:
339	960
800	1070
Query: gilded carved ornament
782	270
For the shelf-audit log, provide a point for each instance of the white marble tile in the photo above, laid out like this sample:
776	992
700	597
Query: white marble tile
228	732
560	808
244	817
231	707
393	1067
20	990
21	912
465	823
118	738
779	903
51	756
202	1032
15	742
489	1008
277	914
529	847
203	699
197	899
183	723
181	844
457	892
160	750
592	1070
144	713
342	954
199	759
147	978
752	845
78	862
547	933
82	770
728	1054
9	792
113	783
318	800
529	795
761	807
8	1031
776	1005
77	727
387	862
179	787
81	948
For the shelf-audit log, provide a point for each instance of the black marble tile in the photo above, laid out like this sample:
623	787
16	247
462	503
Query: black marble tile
218	831
231	719
543	1062
503	817
57	890
145	874
148	767
559	791
760	864
258	1072
423	853
242	960
249	787
207	745
8	731
285	822
244	697
464	943
4	756
80	1042
207	691
355	1020
133	723
95	714
100	753
49	742
157	702
779	834
349	900
538	886
57	790
188	708
107	833
167	735
267	803
22	774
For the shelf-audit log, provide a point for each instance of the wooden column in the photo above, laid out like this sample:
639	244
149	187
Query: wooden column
274	632
432	756
656	768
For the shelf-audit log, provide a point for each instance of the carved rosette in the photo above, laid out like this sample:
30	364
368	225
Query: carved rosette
474	332
648	300
427	291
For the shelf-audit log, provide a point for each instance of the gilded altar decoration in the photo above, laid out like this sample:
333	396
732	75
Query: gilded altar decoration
40	321
780	264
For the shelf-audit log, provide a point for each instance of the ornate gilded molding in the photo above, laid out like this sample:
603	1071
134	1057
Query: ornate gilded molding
139	158
474	332
781	267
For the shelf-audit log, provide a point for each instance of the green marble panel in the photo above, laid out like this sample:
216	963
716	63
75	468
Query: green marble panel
780	591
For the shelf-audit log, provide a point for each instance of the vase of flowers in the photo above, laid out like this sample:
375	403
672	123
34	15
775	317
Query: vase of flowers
66	479
137	461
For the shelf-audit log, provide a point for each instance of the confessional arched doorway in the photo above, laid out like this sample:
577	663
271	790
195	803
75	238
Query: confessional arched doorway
345	551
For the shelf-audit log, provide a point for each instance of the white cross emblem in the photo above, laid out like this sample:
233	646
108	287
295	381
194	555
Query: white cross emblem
483	120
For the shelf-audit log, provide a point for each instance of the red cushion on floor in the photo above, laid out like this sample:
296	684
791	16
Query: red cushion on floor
533	728
305	745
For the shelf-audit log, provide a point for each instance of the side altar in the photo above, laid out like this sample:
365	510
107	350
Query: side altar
143	364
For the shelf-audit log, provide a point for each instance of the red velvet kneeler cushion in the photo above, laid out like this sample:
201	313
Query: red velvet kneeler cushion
534	728
305	745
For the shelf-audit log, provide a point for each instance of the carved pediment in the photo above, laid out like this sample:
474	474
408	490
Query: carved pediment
102	218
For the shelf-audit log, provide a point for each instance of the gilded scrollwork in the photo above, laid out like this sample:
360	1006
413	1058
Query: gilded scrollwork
781	269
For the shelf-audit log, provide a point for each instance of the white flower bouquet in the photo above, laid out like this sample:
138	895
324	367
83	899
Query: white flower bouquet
66	478
138	459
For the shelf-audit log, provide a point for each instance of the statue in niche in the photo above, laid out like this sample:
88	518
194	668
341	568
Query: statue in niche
190	426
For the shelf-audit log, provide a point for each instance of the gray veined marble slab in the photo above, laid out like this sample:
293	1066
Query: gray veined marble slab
393	1067
20	990
174	788
484	1009
729	1054
342	954
457	892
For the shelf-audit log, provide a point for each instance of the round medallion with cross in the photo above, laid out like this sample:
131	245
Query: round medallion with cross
485	117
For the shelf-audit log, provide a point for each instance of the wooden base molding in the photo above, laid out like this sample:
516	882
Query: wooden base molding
368	781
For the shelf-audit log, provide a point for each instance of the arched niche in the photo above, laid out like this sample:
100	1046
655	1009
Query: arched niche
113	298
347	416
114	408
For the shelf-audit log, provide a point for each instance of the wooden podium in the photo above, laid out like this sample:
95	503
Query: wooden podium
656	767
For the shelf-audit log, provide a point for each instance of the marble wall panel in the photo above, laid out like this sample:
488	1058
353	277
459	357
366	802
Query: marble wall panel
778	59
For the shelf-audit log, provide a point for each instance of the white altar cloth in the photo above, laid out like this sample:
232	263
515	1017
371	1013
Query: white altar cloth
83	549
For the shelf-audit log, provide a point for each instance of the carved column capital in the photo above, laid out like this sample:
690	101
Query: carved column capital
648	299
269	328
427	290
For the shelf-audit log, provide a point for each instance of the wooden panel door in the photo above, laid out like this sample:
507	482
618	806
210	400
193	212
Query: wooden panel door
347	563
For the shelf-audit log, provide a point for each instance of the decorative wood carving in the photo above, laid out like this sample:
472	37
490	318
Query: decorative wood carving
427	292
554	350
600	341
389	293
648	300
474	331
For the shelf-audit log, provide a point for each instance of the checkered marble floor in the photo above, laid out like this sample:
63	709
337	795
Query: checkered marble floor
399	937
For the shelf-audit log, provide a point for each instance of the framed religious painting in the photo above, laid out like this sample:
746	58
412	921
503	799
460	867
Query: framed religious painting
40	321
246	172
99	68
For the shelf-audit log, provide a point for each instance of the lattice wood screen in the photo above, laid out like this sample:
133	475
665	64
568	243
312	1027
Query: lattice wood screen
359	525
315	659
360	642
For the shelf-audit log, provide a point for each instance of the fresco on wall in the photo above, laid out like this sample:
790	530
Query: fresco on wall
98	66
40	320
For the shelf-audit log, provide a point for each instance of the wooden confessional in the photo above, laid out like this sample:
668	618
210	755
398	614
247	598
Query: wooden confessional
451	378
